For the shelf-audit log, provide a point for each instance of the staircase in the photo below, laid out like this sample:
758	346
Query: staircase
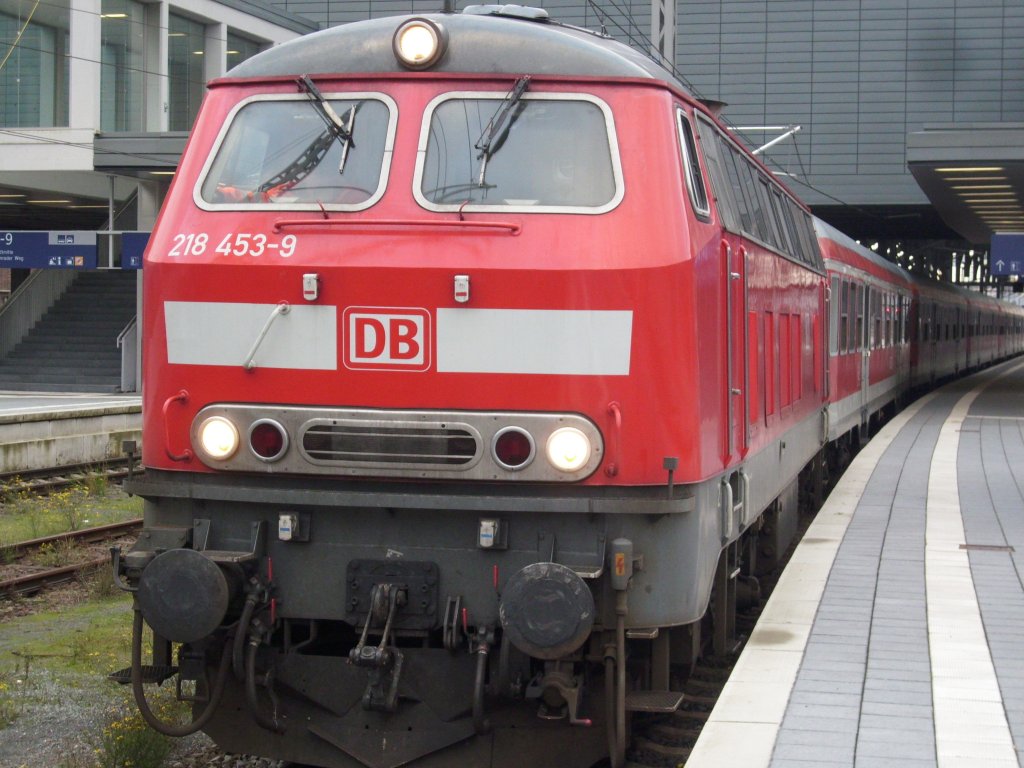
73	348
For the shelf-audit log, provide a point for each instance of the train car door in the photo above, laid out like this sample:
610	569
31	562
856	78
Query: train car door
866	340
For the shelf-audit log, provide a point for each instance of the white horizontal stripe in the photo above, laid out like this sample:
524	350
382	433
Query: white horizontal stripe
971	727
215	333
567	342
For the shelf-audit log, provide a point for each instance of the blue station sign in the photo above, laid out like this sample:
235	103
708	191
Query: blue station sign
41	250
133	244
1006	256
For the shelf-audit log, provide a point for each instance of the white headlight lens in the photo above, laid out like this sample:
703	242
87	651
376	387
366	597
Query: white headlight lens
568	449
419	43
218	438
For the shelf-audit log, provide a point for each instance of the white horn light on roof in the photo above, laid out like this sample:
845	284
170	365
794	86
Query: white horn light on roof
419	43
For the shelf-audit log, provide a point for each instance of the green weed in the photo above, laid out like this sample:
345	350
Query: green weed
125	740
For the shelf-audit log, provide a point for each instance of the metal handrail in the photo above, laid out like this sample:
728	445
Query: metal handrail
127	329
28	303
127	342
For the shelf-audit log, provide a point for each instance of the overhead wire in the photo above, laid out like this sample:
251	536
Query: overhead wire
647	48
21	32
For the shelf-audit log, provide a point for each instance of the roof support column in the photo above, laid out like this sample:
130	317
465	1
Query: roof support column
84	79
663	31
157	87
216	59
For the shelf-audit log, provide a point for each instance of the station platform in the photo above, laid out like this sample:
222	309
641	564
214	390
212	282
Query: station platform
25	404
43	430
895	636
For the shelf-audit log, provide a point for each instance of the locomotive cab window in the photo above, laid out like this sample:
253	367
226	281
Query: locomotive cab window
531	153
691	167
288	153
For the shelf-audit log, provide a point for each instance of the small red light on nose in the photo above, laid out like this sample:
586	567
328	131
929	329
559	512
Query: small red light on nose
513	448
267	440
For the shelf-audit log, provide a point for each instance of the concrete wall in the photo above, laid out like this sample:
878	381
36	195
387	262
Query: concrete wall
30	441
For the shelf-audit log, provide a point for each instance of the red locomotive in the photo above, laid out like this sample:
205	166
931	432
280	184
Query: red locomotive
477	355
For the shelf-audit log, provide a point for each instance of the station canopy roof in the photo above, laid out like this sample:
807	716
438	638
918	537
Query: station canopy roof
973	173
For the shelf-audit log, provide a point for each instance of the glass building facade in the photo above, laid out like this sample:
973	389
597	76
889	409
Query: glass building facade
33	64
122	91
240	48
186	70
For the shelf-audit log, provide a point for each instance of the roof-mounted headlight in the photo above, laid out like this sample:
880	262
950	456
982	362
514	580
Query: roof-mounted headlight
419	43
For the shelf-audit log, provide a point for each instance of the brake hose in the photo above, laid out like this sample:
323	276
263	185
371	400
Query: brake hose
155	722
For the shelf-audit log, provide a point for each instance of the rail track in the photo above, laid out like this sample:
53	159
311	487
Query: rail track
26	583
49	479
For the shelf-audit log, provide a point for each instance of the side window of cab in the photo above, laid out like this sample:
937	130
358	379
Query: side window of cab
691	167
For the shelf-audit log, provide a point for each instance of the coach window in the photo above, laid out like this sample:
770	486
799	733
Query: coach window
551	153
844	315
691	167
883	313
858	302
282	153
833	329
880	319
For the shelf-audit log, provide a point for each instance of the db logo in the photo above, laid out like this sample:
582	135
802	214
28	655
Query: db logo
382	337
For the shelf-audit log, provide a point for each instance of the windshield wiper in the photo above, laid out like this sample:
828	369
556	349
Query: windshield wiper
299	168
496	124
334	124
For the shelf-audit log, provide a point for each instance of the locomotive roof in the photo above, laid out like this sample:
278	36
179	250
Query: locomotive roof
482	40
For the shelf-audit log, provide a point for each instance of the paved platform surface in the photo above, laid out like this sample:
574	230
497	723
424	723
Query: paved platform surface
895	637
32	402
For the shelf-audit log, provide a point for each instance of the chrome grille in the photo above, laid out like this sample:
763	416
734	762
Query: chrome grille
379	443
389	445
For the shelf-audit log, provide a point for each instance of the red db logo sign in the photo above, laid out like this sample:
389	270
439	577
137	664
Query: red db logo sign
382	337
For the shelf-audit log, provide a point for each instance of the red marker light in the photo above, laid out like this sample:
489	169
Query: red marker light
267	440
513	448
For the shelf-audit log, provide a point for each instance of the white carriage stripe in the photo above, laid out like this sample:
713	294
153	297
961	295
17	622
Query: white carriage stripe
220	333
744	725
534	341
515	341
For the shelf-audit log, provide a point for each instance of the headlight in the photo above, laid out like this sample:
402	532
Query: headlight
419	43
568	449
218	438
